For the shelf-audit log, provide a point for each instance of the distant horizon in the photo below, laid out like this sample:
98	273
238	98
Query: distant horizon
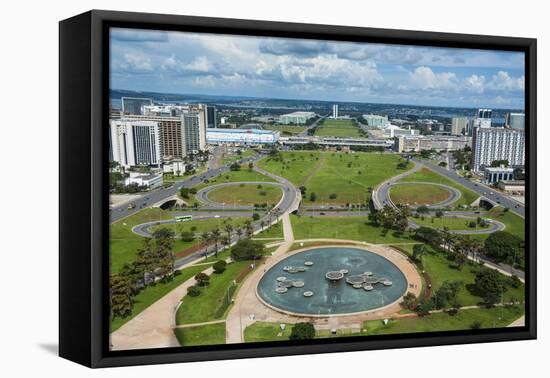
315	100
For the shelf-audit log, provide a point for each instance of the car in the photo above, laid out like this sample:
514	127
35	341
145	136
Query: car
321	213
216	216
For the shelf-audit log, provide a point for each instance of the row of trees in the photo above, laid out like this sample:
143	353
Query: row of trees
154	261
392	218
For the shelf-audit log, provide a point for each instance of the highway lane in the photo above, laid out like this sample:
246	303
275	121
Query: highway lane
314	124
155	196
482	190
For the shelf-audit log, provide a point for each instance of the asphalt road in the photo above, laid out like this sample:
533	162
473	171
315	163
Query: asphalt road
150	198
480	189
455	193
202	195
304	133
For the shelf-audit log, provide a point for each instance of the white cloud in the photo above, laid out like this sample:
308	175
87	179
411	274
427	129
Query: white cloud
424	78
475	83
503	81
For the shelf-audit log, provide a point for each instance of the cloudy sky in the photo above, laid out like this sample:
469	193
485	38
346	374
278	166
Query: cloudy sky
177	62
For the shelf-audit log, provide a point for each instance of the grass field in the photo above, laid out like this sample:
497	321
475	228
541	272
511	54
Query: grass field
514	223
427	175
205	307
230	157
246	194
209	334
124	243
286	130
275	231
441	269
151	294
338	128
265	331
489	317
452	223
351	228
418	194
344	177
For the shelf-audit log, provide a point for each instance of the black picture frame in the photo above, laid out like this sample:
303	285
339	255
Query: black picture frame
83	197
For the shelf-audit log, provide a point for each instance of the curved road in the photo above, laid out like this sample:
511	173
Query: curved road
455	193
202	195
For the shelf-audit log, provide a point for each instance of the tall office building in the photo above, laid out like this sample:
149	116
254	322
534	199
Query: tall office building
211	117
376	120
497	143
134	142
515	120
170	134
335	111
134	105
193	134
484	113
459	125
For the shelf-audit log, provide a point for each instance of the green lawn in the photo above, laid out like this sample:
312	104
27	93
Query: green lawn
418	194
286	130
205	307
151	294
265	331
514	223
246	194
124	243
495	317
452	223
230	157
338	128
209	334
441	269
275	231
335	177
427	175
352	228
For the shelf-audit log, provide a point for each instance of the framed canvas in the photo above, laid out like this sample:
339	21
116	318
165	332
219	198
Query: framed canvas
235	188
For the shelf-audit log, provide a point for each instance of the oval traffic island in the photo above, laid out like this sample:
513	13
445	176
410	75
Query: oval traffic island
334	277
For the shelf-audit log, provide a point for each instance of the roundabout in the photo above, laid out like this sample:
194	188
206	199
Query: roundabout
430	194
330	283
241	195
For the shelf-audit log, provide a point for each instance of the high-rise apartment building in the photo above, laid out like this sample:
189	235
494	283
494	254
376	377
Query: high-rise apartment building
134	142
193	133
497	143
134	105
211	117
515	120
335	111
484	113
459	125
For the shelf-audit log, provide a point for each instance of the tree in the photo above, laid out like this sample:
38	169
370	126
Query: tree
249	230
144	263
247	249
121	296
215	235
422	209
187	236
429	235
476	324
202	279
312	196
255	216
229	229
303	190
490	285
443	164
239	233
447	294
235	166
498	163
194	291
262	224
219	266
205	238
439	213
409	301
302	331
418	252
503	246
184	193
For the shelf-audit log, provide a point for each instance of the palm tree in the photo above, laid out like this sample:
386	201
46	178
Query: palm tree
239	233
205	239
226	241
262	224
215	235
248	228
229	229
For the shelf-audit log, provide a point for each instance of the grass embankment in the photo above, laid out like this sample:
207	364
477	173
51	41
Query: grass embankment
230	157
246	194
336	178
338	128
418	194
286	130
427	175
151	294
452	223
208	334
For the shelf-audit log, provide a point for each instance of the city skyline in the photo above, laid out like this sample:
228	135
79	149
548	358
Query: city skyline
178	62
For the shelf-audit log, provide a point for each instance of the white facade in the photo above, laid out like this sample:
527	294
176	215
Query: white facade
459	125
241	136
431	142
515	120
298	118
151	181
134	142
376	120
175	167
497	143
496	174
335	111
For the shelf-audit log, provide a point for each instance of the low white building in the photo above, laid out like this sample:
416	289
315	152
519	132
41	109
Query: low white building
496	174
149	180
175	167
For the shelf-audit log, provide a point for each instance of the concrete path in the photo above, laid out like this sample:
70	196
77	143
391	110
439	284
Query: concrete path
200	324
153	327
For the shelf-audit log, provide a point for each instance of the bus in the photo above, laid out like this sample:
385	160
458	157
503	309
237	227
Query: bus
183	218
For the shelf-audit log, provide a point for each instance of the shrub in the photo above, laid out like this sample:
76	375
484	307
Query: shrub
187	236
247	249
219	267
202	279
193	291
302	331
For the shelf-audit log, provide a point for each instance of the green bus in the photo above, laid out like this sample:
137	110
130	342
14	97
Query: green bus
183	218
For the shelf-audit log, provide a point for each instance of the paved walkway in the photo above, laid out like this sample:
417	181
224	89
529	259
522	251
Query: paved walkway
153	327
200	324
